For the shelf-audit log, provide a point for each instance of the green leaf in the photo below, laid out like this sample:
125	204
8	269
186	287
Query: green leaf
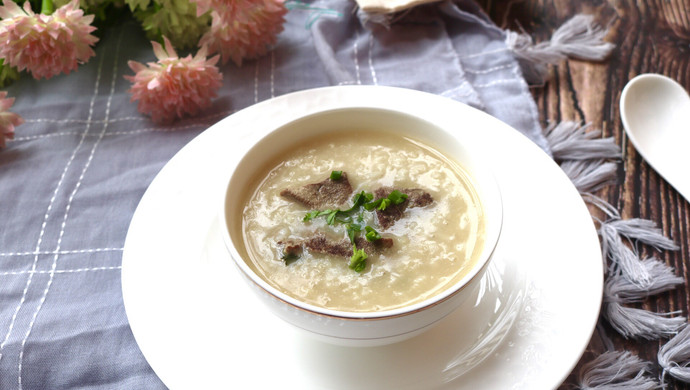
371	234
346	220
352	230
317	213
397	197
361	198
358	200
311	215
373	205
336	175
331	216
289	258
385	202
358	261
360	217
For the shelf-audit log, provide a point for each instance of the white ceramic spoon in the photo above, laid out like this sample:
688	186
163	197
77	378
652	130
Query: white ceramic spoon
656	115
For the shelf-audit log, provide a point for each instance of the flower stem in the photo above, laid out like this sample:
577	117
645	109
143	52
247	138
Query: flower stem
47	7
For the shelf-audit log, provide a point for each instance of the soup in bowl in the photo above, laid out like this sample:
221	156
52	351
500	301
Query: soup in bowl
362	226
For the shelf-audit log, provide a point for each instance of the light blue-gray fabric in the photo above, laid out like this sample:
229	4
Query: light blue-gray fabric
72	178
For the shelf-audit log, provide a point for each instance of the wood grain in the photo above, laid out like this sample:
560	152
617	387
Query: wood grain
651	36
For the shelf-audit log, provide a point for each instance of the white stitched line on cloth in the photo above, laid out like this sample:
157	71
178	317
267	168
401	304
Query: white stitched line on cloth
100	121
66	252
34	137
83	121
461	70
48	211
490	70
273	71
371	61
526	94
152	130
256	82
497	82
475	55
356	54
452	92
113	133
63	271
66	214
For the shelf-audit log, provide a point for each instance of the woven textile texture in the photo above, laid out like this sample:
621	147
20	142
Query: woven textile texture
71	179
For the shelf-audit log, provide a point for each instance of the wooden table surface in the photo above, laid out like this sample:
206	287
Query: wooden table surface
651	36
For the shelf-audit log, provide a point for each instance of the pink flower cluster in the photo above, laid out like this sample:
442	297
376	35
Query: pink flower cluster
242	28
173	86
45	45
8	120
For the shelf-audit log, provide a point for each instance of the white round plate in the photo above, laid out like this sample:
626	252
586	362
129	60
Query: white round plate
200	326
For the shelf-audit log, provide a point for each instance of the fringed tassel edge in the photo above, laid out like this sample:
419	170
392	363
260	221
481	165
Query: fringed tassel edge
615	370
591	163
674	357
642	324
579	37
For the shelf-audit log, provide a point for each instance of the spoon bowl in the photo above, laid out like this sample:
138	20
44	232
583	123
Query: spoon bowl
655	111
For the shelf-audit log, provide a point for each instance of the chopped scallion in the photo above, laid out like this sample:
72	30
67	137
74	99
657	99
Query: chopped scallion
358	260
371	234
336	175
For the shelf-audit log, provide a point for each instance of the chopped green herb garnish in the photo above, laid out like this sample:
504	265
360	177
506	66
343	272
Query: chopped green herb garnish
331	217
361	198
352	230
385	202
396	197
336	175
311	215
372	205
332	214
358	260
371	234
317	213
360	202
289	258
360	217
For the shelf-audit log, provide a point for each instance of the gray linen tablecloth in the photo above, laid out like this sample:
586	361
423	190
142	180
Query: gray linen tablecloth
71	179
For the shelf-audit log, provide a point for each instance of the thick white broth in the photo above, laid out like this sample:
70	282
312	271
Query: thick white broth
434	246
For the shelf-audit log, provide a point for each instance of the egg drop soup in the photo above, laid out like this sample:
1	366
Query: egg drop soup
428	242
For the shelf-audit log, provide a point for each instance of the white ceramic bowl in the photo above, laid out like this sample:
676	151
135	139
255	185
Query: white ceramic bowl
356	328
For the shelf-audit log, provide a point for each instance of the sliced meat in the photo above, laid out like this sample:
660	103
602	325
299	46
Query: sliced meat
320	244
322	195
415	198
291	251
291	248
372	246
343	248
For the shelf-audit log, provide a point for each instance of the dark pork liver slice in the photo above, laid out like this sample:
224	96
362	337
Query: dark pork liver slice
415	198
322	195
342	248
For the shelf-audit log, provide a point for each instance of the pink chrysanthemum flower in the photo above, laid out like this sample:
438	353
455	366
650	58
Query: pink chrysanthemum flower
45	45
242	28
173	86
8	120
